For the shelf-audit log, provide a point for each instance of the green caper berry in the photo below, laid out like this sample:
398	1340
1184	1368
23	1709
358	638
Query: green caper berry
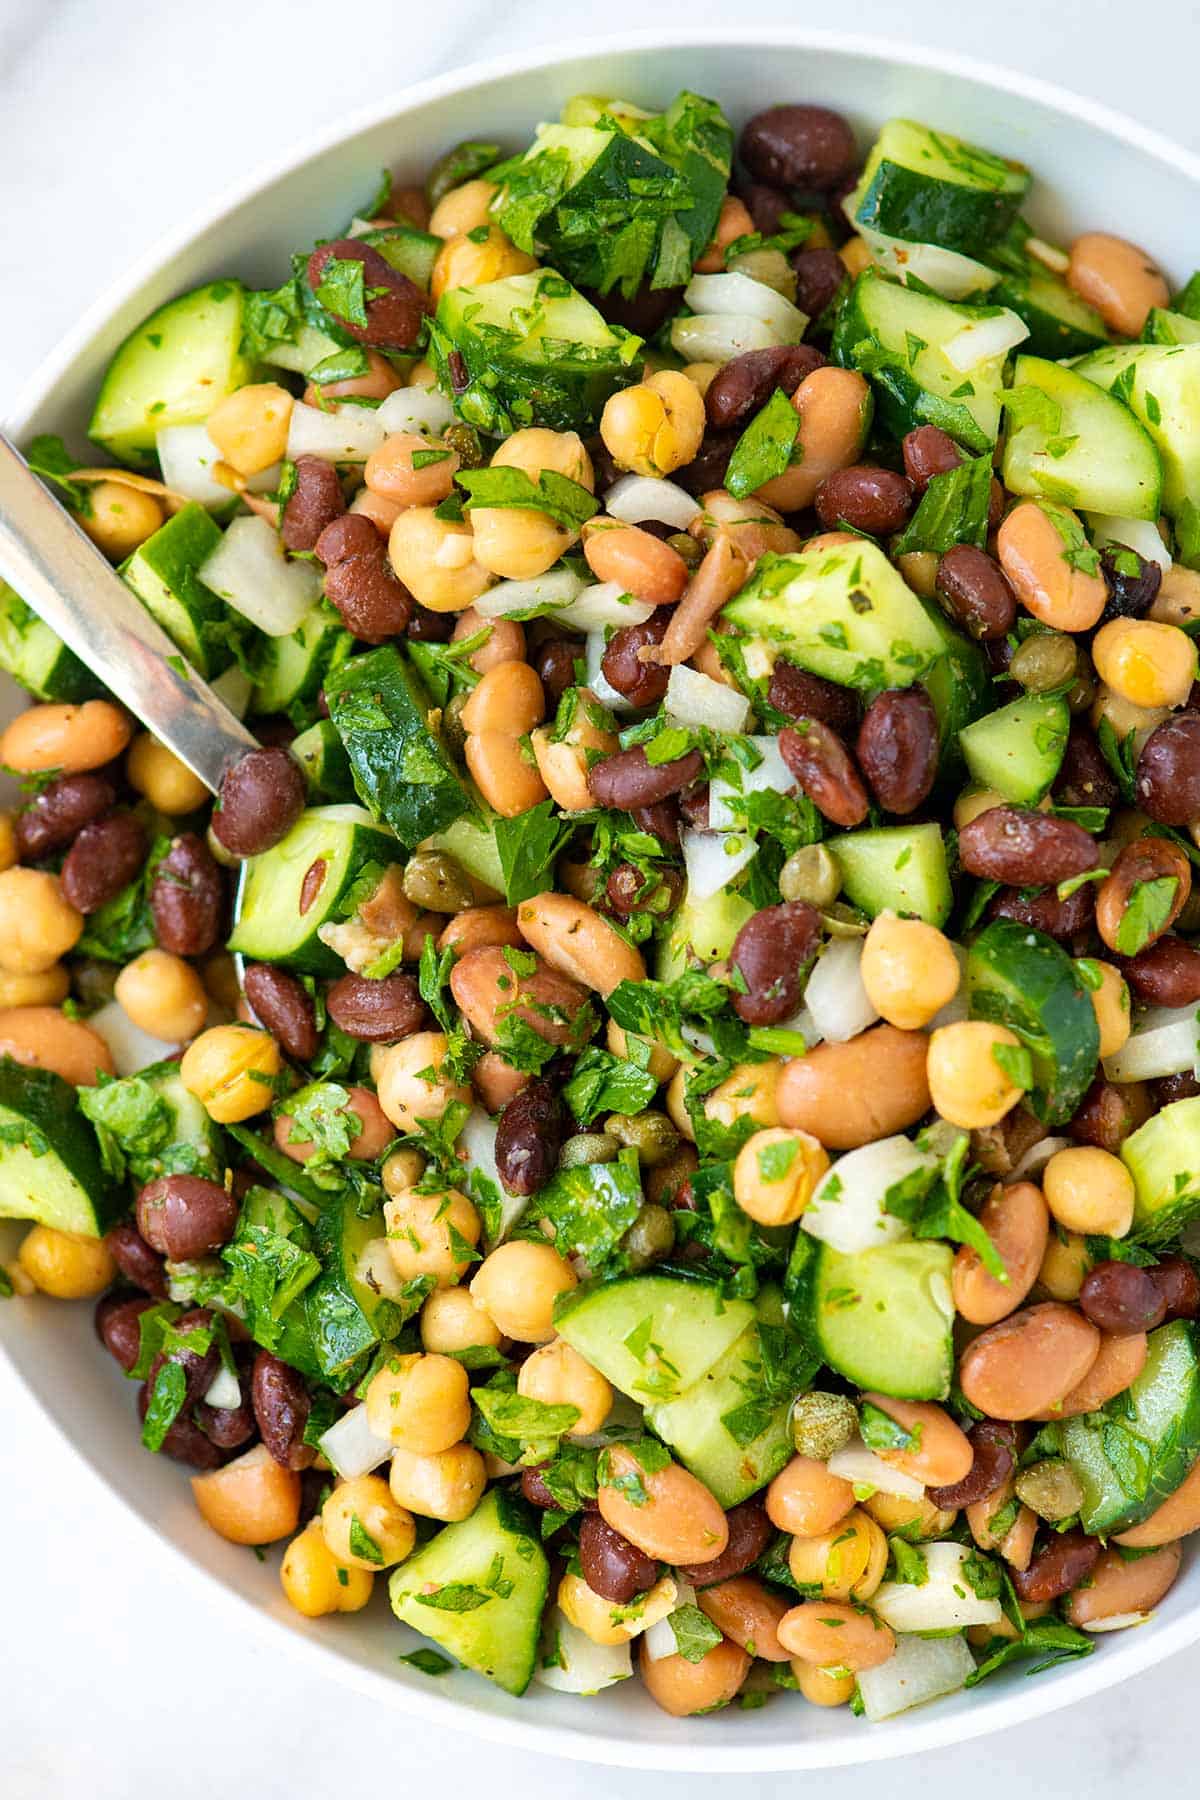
811	874
589	1147
649	1238
1085	687
1046	660
651	1134
842	921
436	883
465	440
687	547
823	1423
453	735
94	982
1051	1489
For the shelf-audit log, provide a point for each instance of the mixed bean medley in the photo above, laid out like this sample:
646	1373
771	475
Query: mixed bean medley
658	1112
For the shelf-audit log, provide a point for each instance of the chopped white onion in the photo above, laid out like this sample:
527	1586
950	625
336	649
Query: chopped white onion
922	1669
713	337
423	409
186	454
712	859
339	434
862	1468
596	642
1035	1160
1117	1621
557	588
234	687
1141	535
946	1601
249	570
352	1447
581	1667
696	699
659	1640
849	1209
1049	255
803	1022
985	339
736	296
132	1048
771	773
224	1391
835	996
603	603
947	272
477	1151
956	1008
635	498
1163	1042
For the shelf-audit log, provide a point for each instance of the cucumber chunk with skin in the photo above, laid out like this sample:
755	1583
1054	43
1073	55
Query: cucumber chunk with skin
322	757
1018	749
1160	384
933	188
1060	323
409	251
478	1589
1021	978
704	929
163	574
50	1167
1069	440
1134	1452
348	1308
897	868
1166	327
1163	1156
652	1336
157	1125
36	657
289	671
289	892
881	1317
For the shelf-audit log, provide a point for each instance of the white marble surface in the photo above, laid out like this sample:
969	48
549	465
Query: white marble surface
117	119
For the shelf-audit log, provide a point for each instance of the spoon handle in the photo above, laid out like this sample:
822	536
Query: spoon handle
59	572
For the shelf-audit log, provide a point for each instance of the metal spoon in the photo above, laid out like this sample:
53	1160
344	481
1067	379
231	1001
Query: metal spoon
59	572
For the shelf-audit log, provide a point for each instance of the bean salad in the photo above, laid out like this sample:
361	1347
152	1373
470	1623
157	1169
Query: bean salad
655	1121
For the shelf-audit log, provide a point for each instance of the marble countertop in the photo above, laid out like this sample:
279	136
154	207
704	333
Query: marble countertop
117	121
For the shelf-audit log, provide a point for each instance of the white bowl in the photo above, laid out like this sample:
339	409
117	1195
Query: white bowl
1093	169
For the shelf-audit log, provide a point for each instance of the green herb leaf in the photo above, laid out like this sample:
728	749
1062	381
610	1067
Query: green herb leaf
1146	913
528	847
567	502
953	509
766	447
430	1662
341	290
695	1634
603	1083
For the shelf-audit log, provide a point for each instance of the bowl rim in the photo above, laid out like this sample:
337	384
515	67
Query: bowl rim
924	1729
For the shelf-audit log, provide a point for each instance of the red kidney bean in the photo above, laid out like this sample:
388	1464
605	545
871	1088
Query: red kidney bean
534	1489
897	748
742	386
1121	1299
229	1427
314	503
281	1403
1084	778
1024	848
1129	595
1105	1117
1167	1088
1167	785
750	1531
137	1260
187	897
644	312
184	1442
613	1567
799	695
626	779
694	805
1057	1568
53	818
821	764
1061	919
349	534
261	798
186	1216
708	467
425	627
628	891
995	1445
529	1137
877	501
555	665
976	593
766	205
929	451
1178	1287
361	583
200	1367
117	1326
770	952
806	147
660	820
1165	974
394	311
282	1005
819	275
375	1012
641	683
104	858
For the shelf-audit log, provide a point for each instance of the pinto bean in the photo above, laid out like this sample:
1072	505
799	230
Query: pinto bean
1117	1589
1165	974
626	779
1028	1362
1023	848
800	146
528	1139
281	1403
1146	859
770	953
825	1632
748	1613
750	1531
397	307
824	770
677	1519
742	386
682	1688
137	1260
1017	1222
489	992
186	1216
1058	1567
187	898
851	1094
975	590
283	1006
56	816
796	693
611	1565
315	502
1178	1515
897	748
376	1012
577	942
1119	1363
103	859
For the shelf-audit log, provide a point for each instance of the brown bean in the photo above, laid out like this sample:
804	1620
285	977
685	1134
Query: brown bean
1017	1222
877	501
1061	919
534	1489
184	1442
897	748
187	897
928	451
1146	859
315	502
137	1260
1106	1116
1023	848
995	1447
1121	1299
186	1216
1178	1515
117	1326
627	891
1167	974
350	534
1084	778
831	1633
53	818
641	683
283	1006
1131	593
819	275
744	384
627	779
1028	1362
748	1613
643	312
822	766
375	1012
103	859
489	993
613	1567
1116	1588
373	603
676	1520
229	1427
281	1403
770	953
797	694
1179	1287
975	591
1168	771
851	1094
528	1140
555	664
709	466
660	820
1119	1363
1169	1088
750	1531
396	308
806	147
261	798
1058	1567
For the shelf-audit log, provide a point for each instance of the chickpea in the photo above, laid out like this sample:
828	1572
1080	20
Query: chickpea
1125	718
520	542
167	783
505	641
66	1264
662	1063
442	1484
253	1500
655	426
918	1520
557	1375
856	255
435	559
463	209
232	1070
509	699
67	739
402	1170
733	222
427	1232
468	261
315	1582
1118	279
819	1687
250	426
966	1083
44	989
1032	544
517	1286
749	1092
775	1174
835	410
8	840
608	1622
1090	1191
1064	1265
409	1081
503	772
806	1500
365	1527
846	1563
1110	1001
1146	664
121	518
451	1320
420	1403
392	474
163	995
909	970
1178	599
37	925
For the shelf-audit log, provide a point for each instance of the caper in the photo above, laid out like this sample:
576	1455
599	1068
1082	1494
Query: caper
436	883
664	1181
1051	1489
1085	687
687	547
93	982
651	1134
465	439
452	733
842	921
1046	660
919	569
811	874
823	1423
589	1147
649	1238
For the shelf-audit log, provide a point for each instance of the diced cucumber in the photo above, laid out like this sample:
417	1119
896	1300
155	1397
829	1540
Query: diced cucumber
898	868
409	251
171	370
36	657
289	892
348	1311
702	929
1163	1156
653	1336
50	1167
1165	327
1078	445
932	188
1160	383
1019	748
162	573
289	670
472	844
157	1125
322	756
478	1589
309	348
1137	1450
882	1317
1060	323
1021	978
